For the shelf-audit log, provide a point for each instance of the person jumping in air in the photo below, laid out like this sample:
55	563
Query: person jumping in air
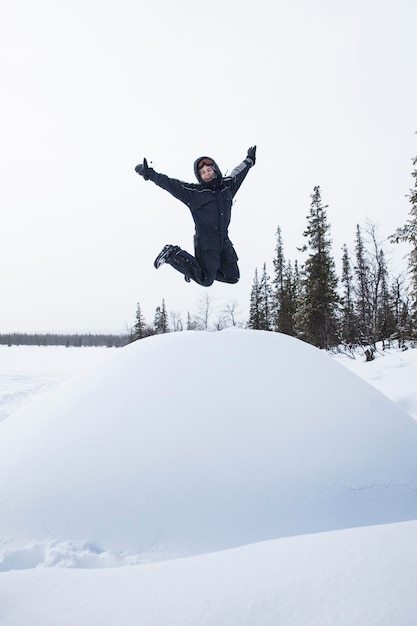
210	202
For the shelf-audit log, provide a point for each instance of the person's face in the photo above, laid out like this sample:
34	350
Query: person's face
207	173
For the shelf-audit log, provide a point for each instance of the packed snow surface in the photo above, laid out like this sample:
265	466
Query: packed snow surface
245	477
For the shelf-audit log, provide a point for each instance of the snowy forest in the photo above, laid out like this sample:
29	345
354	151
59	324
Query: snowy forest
366	304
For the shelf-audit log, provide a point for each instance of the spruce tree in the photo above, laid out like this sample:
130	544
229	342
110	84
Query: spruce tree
284	291
363	292
408	233
260	317
348	322
160	324
385	320
318	315
255	304
278	280
401	311
285	316
140	329
265	292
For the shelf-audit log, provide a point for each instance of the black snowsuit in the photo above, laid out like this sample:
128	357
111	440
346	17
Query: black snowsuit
210	205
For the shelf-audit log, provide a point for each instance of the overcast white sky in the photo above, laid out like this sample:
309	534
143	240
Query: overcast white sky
325	88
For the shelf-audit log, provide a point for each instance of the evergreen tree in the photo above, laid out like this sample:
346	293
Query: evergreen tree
260	302
318	315
385	320
160	324
266	307
298	293
285	316
408	233
255	304
278	280
348	320
140	329
363	292
279	262
284	292
401	312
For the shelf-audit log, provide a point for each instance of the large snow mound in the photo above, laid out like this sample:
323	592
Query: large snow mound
195	442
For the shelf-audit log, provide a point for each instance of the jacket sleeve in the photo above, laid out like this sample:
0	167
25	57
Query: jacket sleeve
238	175
177	188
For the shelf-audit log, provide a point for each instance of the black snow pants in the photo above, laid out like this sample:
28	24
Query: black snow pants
208	264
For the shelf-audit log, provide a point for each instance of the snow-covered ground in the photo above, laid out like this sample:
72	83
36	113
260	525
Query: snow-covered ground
214	479
393	372
29	371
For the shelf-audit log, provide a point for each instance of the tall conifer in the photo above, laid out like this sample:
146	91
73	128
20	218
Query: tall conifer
255	304
348	321
363	291
408	233
318	316
161	325
139	329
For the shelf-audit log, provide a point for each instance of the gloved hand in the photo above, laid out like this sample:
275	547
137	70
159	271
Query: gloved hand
252	154
143	170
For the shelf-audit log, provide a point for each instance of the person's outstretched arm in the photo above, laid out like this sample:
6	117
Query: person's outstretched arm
239	173
176	188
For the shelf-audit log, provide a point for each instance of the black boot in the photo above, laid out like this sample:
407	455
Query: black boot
164	256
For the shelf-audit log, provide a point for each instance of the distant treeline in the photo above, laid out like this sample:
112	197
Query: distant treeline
78	341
